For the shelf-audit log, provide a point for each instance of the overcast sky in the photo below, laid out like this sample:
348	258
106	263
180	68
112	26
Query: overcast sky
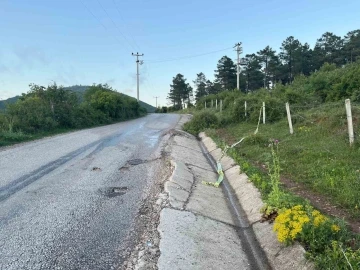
91	41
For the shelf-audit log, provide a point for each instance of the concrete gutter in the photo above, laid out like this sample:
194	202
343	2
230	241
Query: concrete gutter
279	256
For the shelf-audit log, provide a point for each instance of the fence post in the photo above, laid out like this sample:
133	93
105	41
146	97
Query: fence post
221	105
212	103
205	104
245	109
263	112
349	121
289	117
216	104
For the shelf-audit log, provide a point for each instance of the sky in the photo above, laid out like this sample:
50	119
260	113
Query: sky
90	41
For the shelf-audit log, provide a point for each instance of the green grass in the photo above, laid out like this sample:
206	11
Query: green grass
317	154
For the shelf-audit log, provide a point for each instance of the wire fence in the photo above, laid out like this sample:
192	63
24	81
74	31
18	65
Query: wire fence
343	111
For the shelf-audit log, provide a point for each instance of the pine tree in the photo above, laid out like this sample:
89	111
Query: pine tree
180	92
267	59
200	83
226	73
254	77
291	56
352	46
329	49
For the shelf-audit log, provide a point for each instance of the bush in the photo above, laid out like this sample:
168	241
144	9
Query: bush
201	121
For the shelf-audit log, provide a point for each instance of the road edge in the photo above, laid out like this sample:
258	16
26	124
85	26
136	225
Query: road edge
279	256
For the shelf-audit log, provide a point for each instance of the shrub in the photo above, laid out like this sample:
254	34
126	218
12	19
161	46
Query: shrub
201	121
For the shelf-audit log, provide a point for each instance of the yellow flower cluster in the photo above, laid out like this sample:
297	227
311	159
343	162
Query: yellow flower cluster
318	218
304	129
335	228
289	223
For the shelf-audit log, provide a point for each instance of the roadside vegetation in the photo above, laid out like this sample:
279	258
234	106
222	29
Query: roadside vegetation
310	180
50	110
317	157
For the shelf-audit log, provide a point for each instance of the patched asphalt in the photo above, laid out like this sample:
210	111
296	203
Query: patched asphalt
66	202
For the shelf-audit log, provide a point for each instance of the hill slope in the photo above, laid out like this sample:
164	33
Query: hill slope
79	89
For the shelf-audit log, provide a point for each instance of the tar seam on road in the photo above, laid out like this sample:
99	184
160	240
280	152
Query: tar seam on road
22	182
256	255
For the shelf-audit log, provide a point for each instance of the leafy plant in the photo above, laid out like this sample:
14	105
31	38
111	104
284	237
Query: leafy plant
201	121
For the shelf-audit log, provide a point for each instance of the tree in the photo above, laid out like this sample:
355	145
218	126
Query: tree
329	49
212	88
200	83
269	62
251	70
306	60
290	55
226	73
352	46
180	92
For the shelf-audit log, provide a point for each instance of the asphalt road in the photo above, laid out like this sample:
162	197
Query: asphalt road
71	201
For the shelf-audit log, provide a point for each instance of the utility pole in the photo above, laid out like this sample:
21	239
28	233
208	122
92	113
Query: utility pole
156	101
239	51
137	70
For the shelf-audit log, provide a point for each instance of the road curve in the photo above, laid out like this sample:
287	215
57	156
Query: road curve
71	201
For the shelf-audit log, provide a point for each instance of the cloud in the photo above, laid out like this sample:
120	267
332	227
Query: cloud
6	94
22	58
4	69
65	75
110	82
30	56
128	90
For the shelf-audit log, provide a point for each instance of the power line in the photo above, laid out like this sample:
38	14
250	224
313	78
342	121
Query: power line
122	18
96	18
186	57
148	71
116	25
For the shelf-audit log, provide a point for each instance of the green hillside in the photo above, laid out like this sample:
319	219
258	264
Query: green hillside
7	101
79	90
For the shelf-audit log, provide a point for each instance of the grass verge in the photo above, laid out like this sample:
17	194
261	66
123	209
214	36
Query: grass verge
318	156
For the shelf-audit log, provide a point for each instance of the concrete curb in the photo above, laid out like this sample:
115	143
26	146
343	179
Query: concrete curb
279	256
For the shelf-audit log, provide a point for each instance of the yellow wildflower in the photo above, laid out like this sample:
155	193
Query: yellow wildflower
289	223
318	220
335	228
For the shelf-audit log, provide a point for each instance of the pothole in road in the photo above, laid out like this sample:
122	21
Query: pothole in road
125	168
113	191
134	162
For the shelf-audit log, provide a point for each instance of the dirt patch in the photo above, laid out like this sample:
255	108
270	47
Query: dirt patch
224	134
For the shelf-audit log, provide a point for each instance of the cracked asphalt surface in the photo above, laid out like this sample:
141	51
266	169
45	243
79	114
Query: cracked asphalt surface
71	201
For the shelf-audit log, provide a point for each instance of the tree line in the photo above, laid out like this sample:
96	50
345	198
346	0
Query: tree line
44	109
266	68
